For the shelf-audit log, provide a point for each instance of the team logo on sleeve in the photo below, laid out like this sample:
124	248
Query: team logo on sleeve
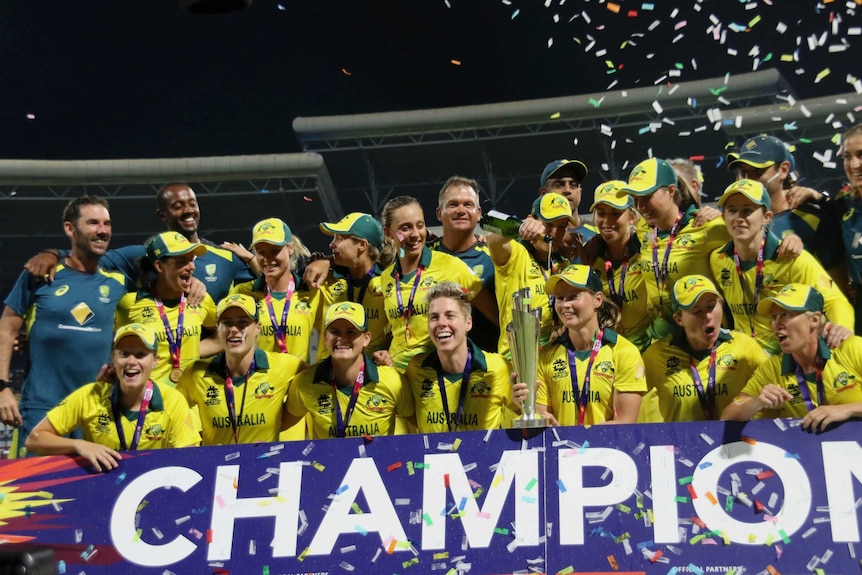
104	294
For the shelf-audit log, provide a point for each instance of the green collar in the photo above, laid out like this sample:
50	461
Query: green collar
258	285
679	340
218	365
480	363
321	372
424	261
157	403
608	337
770	250
788	364
342	273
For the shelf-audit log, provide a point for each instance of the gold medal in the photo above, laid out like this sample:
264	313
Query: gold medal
175	374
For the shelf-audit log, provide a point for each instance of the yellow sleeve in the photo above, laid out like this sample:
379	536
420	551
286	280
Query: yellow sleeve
182	432
67	415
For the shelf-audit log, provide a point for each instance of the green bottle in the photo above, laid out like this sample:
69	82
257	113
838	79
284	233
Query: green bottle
501	224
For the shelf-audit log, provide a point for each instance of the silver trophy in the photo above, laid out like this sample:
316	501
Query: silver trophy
523	334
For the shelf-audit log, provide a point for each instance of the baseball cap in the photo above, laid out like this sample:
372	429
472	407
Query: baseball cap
168	244
688	289
759	152
793	297
244	302
578	166
140	331
351	311
751	189
271	231
612	194
650	175
359	225
578	276
551	207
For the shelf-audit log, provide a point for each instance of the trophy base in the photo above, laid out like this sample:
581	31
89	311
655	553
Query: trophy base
530	423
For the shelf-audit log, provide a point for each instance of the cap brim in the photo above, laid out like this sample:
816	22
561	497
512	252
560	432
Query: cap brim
696	298
734	160
625	206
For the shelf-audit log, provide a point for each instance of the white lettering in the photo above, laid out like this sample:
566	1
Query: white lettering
123	531
841	461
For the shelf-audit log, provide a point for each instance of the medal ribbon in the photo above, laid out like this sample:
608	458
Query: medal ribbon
617	296
142	415
661	272
706	397
279	330
343	422
465	383
230	398
584	397
175	341
406	313
803	387
758	278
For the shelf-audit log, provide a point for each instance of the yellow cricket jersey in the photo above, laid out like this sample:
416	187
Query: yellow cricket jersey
140	307
524	271
383	397
688	255
259	401
485	399
337	288
842	376
668	372
777	272
634	308
437	267
617	367
168	422
301	317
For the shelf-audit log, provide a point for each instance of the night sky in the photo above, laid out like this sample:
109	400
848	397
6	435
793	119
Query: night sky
118	79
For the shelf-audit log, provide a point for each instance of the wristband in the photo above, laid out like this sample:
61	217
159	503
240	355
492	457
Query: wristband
5	384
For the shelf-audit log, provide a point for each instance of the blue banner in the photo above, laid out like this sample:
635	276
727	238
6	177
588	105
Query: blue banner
764	497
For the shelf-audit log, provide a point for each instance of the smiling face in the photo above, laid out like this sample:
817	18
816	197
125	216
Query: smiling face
178	207
448	324
744	219
175	273
133	362
408	230
345	341
615	226
702	322
852	156
274	261
658	208
91	232
794	329
237	332
576	307
459	209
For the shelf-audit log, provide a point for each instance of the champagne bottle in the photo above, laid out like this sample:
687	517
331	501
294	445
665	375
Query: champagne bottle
501	224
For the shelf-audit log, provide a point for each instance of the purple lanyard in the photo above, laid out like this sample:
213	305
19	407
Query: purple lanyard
707	397
661	272
758	278
803	387
279	330
342	423
406	313
363	285
584	397
142	415
617	296
465	383
175	341
230	397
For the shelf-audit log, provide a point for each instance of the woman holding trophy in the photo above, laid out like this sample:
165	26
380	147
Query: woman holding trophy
590	374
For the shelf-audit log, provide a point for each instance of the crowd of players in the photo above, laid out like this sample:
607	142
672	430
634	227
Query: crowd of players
659	310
